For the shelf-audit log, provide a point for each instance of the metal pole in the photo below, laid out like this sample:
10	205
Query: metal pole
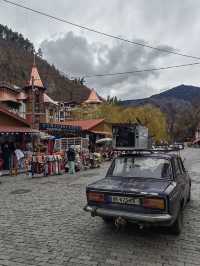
33	103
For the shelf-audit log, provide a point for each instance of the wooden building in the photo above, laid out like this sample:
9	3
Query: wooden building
98	128
31	102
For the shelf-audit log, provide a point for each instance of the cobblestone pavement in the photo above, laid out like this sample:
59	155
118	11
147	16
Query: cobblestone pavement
42	223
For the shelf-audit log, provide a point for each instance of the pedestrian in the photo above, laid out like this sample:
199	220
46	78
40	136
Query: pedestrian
6	156
20	158
71	155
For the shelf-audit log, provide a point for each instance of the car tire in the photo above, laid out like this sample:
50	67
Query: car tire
178	224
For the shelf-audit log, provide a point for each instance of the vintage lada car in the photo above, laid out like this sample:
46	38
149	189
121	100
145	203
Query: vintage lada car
149	188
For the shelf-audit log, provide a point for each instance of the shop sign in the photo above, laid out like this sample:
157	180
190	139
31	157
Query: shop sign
57	127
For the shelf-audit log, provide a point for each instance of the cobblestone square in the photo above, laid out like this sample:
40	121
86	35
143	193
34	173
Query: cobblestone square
42	223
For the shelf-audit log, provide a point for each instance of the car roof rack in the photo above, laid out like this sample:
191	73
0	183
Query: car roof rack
151	151
133	150
177	150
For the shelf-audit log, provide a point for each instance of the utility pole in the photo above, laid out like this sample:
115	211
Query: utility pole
33	102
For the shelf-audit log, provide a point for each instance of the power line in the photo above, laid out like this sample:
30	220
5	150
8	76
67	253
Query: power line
140	70
87	76
64	75
99	32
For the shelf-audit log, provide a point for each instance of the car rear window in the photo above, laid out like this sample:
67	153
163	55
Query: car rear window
144	167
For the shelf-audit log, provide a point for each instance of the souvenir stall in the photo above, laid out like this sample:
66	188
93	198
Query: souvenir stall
55	137
16	138
81	149
16	151
45	165
48	159
45	161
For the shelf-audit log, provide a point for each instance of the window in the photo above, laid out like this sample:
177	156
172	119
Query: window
62	116
141	167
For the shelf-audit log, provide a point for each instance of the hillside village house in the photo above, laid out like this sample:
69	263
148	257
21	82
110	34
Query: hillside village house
93	99
66	109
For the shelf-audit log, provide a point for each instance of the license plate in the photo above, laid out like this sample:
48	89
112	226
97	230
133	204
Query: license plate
125	200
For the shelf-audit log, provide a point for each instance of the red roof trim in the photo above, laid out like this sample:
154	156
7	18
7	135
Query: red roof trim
9	129
15	116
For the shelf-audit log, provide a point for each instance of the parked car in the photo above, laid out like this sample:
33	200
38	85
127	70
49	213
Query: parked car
148	188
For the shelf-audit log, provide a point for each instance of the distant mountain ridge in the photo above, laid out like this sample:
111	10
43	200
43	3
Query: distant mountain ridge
181	106
187	93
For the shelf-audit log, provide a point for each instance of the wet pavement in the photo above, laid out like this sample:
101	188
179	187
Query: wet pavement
42	223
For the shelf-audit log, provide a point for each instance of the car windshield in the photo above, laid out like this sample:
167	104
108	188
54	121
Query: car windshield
141	167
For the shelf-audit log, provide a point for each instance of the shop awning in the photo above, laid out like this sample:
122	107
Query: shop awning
11	129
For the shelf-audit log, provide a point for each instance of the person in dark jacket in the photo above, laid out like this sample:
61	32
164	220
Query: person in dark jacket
71	155
6	157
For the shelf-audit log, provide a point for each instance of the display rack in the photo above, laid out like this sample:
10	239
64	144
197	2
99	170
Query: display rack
63	144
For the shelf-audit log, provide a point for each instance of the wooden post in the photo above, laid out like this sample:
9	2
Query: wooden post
33	103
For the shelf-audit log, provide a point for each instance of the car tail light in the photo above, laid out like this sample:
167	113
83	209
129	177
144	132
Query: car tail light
154	203
94	196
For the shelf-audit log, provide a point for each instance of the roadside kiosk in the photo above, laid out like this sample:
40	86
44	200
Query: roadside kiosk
130	136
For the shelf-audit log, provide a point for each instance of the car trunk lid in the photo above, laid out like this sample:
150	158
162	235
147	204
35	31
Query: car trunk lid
131	185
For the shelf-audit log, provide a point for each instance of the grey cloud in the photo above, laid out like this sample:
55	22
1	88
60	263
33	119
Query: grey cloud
172	22
74	55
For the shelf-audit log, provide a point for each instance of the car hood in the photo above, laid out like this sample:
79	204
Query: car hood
130	185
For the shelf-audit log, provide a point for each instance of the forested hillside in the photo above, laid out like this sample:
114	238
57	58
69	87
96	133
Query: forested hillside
16	60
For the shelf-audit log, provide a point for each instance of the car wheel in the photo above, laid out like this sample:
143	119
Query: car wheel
178	224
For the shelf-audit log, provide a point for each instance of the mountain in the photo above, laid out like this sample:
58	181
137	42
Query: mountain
16	60
180	93
180	104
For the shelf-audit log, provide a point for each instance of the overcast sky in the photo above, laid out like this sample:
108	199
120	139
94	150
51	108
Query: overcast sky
172	24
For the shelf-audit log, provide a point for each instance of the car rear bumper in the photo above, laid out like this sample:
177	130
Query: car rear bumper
134	217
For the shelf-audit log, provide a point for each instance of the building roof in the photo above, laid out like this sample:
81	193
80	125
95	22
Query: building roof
48	99
36	76
84	124
93	98
6	85
15	116
5	97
